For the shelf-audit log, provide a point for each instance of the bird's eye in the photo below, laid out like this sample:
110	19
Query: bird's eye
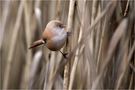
60	25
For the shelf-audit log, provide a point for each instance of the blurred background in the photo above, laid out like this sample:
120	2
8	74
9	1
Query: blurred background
101	47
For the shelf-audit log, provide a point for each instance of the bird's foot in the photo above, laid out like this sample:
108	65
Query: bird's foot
65	55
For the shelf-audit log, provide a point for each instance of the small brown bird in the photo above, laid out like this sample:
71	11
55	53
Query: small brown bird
54	36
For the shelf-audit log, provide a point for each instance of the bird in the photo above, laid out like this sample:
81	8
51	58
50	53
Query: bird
53	37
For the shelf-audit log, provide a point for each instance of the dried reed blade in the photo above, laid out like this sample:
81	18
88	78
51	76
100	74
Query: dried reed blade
12	46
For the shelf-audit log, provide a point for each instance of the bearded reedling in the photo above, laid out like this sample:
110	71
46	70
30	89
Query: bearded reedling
54	37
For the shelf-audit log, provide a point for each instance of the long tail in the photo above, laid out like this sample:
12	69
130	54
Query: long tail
37	43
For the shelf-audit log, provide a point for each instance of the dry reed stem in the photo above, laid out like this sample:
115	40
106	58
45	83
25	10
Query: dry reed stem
94	10
109	8
12	46
100	34
86	59
102	38
34	68
110	5
69	28
122	67
70	15
112	46
127	6
132	67
74	66
90	28
46	77
3	22
75	63
131	52
38	14
100	49
58	11
52	11
52	69
4	19
27	15
126	66
131	81
93	14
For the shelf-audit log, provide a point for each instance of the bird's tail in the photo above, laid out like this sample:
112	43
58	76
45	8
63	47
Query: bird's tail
37	43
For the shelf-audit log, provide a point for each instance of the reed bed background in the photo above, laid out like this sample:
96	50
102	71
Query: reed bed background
101	47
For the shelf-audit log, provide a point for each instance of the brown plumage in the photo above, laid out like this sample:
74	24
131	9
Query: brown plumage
54	36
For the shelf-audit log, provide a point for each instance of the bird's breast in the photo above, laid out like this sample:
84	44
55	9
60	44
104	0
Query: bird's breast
57	42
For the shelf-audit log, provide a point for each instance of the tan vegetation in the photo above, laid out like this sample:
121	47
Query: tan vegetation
101	47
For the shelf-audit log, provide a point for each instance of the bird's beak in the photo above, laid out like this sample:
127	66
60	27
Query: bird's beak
37	43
